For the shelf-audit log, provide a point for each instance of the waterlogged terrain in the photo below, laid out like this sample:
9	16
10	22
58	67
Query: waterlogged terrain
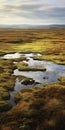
39	77
51	74
32	79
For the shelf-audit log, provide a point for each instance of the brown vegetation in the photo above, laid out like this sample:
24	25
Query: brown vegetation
37	108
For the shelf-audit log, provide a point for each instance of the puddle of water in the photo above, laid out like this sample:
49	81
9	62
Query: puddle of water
18	87
39	76
50	66
52	73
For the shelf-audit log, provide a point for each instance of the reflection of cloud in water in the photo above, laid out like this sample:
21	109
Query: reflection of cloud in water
18	55
12	56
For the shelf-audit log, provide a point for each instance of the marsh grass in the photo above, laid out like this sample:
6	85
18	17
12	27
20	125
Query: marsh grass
37	108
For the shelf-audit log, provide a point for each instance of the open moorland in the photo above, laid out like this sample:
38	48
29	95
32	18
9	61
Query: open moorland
32	79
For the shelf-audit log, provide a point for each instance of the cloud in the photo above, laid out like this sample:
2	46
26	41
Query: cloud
32	11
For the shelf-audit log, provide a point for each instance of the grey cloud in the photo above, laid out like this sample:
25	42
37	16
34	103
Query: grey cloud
32	11
24	7
53	12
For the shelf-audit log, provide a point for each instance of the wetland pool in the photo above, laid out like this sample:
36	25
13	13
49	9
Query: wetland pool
52	73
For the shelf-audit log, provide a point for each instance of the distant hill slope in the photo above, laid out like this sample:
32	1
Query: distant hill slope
32	26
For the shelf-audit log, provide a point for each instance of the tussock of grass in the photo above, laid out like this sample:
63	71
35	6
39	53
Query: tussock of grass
4	96
6	79
24	67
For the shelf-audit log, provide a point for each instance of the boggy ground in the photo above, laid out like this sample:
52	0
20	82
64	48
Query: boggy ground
49	42
7	82
37	108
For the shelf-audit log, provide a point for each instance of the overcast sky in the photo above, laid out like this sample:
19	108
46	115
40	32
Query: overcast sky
32	12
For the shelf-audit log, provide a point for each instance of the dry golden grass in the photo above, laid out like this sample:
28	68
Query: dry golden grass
49	42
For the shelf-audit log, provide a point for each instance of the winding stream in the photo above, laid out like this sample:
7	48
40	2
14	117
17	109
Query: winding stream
52	73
